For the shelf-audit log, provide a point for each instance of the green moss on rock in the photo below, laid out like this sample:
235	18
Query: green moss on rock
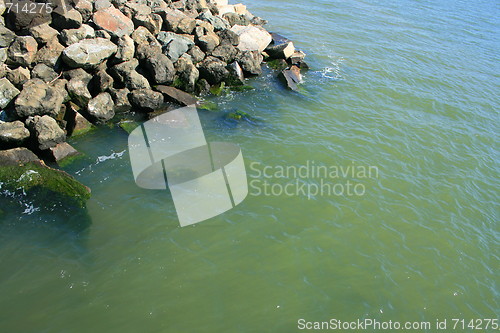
209	106
128	125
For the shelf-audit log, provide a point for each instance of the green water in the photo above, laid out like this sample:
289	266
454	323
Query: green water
408	87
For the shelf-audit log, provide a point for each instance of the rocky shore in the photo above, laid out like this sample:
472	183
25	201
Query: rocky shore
80	64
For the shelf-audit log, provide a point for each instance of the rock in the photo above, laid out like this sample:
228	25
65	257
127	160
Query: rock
252	38
3	55
177	96
46	131
187	74
13	134
208	43
142	36
178	22
79	92
138	9
22	51
226	53
88	53
15	157
101	82
62	151
102	4
18	77
251	62
152	22
103	34
291	77
85	8
217	22
21	20
227	36
202	87
233	19
113	21
43	33
6	36
120	97
236	77
281	51
38	98
126	49
72	36
278	64
297	58
66	19
60	85
101	108
21	170
213	70
145	99
50	53
174	45
160	68
76	123
7	92
44	72
126	74
196	54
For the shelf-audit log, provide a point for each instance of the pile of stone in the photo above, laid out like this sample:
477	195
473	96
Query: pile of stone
85	62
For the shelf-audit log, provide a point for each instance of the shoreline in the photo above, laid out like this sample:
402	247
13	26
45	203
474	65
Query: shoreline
68	69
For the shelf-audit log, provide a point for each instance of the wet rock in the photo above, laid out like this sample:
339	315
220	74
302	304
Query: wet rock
62	151
174	45
38	98
281	51
120	97
88	53
297	57
50	53
22	51
291	77
46	131
213	70
6	36
113	21
72	36
236	76
252	38
146	99
278	64
126	74
202	87
43	33
16	156
126	49
251	62
177	96
101	108
18	77
13	134
226	53
66	19
44	72
7	92
76	123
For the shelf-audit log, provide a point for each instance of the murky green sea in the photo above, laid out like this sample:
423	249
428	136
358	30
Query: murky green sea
409	88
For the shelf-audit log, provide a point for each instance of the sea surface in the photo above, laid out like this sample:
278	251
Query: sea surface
405	93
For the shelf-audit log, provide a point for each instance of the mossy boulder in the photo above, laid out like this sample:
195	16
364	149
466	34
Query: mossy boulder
45	184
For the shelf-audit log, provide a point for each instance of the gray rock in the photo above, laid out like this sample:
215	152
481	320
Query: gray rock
120	97
101	82
196	54
160	68
227	36
79	92
17	156
50	53
177	96
7	92
138	8
22	51
76	123
217	22
44	72
291	77
88	53
236	76
6	36
18	76
143	36
66	19
72	36
43	33
46	131
101	108
251	62
178	22
152	22
174	45
126	49
213	70
103	34
187	74
126	74
38	98
3	54
208	43
234	18
13	134
85	8
146	99
226	53
113	21
252	38
102	4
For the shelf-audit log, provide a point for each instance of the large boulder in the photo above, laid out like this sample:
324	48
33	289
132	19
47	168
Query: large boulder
160	68
7	92
252	38
236	76
62	151
174	45
77	124
72	36
78	86
178	22
208	42
213	70
22	51
187	74
46	131
126	49
146	99
217	22
127	75
66	19
44	72
15	157
13	134
101	108
50	53
43	33
113	21
174	95
38	98
281	51
291	77
88	53
226	53
251	62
